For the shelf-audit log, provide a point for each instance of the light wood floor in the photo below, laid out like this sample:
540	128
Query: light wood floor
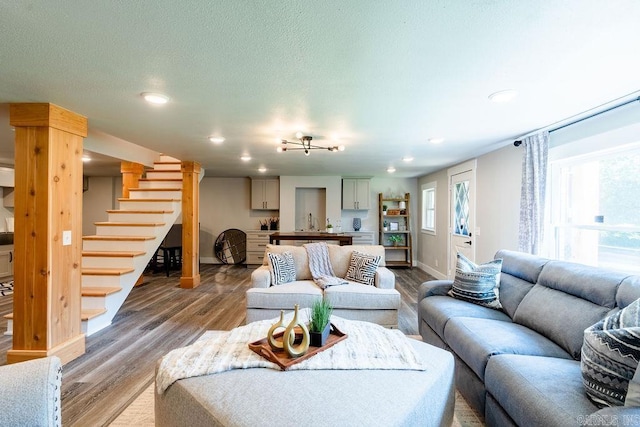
157	317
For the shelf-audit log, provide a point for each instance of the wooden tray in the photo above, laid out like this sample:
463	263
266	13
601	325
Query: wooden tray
282	358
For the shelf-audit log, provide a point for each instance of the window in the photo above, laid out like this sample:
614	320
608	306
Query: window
429	207
594	211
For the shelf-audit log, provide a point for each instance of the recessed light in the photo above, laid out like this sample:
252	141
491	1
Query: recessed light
86	158
216	139
262	169
407	159
436	140
391	169
503	96
245	158
155	98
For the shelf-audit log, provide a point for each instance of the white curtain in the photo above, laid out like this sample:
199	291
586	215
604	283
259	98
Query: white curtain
532	196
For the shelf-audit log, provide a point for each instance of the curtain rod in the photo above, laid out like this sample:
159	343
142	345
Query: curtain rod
551	127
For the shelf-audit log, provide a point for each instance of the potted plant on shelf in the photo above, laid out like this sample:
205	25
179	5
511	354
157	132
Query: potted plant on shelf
384	209
264	224
395	239
329	226
385	225
273	223
320	325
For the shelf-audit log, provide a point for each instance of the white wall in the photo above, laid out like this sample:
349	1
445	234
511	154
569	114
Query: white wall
498	176
103	194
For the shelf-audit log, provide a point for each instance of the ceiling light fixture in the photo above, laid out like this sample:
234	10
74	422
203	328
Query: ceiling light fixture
86	158
391	169
216	139
503	96
155	98
304	143
407	159
436	140
245	158
262	169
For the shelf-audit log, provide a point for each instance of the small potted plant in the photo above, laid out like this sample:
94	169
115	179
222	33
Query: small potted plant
395	239
320	326
273	223
385	225
384	209
329	226
264	224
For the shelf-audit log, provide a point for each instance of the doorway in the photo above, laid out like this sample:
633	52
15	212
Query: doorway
462	213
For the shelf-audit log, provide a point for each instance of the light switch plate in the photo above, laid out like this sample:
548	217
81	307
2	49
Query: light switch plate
66	237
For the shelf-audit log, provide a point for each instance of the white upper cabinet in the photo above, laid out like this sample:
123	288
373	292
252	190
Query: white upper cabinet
356	193
265	194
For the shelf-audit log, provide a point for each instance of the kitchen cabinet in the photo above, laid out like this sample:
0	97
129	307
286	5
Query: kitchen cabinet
356	193
6	261
265	194
256	245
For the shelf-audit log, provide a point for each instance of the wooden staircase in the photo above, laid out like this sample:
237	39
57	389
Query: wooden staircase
114	258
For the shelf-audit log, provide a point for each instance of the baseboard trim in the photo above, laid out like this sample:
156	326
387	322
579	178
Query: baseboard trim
430	270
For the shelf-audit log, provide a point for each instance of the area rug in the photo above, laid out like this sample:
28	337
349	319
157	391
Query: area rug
6	288
140	412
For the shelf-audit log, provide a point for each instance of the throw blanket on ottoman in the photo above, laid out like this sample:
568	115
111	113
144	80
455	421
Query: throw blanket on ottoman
368	346
320	265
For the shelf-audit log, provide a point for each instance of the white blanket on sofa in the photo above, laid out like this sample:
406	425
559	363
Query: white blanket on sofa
320	265
368	346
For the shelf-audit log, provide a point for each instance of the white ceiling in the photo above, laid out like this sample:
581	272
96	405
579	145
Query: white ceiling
381	76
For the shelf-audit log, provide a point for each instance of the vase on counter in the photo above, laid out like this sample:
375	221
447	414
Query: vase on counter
357	223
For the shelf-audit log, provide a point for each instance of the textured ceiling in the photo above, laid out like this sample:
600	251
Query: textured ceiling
380	76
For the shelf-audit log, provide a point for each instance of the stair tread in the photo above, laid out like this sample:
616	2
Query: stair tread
139	211
99	291
106	271
113	254
162	179
167	163
130	224
124	199
90	313
119	238
8	316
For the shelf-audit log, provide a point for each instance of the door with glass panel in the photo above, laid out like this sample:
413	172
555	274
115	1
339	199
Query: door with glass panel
462	217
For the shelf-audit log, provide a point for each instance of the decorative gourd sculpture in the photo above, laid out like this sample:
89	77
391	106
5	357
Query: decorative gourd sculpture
273	342
300	349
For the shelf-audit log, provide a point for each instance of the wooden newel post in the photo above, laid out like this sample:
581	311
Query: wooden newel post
48	232
131	174
190	225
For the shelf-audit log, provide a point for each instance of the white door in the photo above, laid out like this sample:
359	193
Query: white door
462	217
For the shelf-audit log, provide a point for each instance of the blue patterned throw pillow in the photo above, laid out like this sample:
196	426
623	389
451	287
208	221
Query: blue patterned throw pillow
478	284
610	356
282	267
362	268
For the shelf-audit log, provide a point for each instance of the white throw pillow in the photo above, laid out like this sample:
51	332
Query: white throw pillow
362	268
282	268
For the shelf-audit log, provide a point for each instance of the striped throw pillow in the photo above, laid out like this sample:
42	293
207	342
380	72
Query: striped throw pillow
282	267
362	268
478	284
610	356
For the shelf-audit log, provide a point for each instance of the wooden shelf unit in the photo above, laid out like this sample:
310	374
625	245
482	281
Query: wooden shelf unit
404	229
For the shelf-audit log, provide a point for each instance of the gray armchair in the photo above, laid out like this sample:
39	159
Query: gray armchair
30	393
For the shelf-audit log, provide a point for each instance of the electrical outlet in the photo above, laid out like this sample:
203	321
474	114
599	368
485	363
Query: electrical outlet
66	237
437	262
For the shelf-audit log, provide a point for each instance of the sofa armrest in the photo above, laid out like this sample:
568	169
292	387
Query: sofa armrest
261	277
30	393
385	279
434	287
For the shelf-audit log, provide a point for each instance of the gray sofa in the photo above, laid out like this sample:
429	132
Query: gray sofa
30	393
377	304
521	365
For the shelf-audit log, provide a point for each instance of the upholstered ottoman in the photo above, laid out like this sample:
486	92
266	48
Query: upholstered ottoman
260	396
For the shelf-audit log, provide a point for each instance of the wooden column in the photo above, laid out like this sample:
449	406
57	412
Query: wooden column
131	174
48	232
190	225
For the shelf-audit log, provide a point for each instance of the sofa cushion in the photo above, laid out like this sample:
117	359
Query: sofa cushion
610	356
437	310
301	292
628	291
478	284
359	296
282	268
299	257
340	256
475	341
362	268
558	316
538	391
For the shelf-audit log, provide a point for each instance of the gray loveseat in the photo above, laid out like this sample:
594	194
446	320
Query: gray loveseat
521	365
